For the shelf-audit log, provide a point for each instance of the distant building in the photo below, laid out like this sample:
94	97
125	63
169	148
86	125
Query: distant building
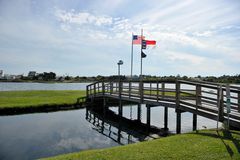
1	74
9	77
32	74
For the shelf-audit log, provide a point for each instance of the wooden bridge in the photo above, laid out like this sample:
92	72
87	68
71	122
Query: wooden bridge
200	98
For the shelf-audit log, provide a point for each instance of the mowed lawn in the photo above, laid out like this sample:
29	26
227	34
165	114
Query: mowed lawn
201	145
23	99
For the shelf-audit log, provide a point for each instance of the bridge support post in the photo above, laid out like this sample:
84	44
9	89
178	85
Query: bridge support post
194	122
104	107
139	110
166	118
120	108
178	128
148	115
120	100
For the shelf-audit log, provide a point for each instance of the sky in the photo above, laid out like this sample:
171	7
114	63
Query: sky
89	37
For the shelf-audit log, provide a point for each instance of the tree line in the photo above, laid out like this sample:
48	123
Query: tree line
51	76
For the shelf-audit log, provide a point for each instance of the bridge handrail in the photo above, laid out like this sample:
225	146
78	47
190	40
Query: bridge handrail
208	92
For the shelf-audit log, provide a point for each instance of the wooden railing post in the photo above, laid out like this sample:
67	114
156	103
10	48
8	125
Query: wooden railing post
198	95
120	109
103	88
129	89
141	90
177	94
150	88
120	89
198	102
94	89
98	87
220	104
87	92
111	87
163	89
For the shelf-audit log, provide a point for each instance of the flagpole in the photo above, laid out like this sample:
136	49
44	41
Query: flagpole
141	53
132	58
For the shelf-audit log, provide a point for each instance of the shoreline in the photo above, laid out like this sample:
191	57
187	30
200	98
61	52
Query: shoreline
40	109
32	81
21	102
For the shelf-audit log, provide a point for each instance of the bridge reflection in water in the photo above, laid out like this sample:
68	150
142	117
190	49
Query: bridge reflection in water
121	129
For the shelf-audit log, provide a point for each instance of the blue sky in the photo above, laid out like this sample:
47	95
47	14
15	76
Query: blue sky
87	38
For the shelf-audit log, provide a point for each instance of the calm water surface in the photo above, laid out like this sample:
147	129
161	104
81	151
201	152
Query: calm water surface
12	86
32	136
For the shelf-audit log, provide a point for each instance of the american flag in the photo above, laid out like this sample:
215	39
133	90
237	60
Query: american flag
137	39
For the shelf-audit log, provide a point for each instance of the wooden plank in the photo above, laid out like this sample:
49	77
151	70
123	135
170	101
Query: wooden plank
200	112
185	104
210	102
209	98
232	116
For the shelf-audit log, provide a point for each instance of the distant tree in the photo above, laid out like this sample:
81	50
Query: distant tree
68	78
46	76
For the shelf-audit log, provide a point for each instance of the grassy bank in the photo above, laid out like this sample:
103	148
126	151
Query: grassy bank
204	145
25	99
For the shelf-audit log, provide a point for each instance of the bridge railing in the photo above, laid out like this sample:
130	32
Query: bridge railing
211	99
158	90
198	95
202	98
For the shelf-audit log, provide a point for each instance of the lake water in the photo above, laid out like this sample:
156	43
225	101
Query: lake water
32	136
11	86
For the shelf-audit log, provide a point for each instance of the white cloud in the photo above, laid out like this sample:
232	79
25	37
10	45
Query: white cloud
182	39
203	34
82	18
185	57
190	35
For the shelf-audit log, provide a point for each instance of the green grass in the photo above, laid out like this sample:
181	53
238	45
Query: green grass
24	99
204	145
